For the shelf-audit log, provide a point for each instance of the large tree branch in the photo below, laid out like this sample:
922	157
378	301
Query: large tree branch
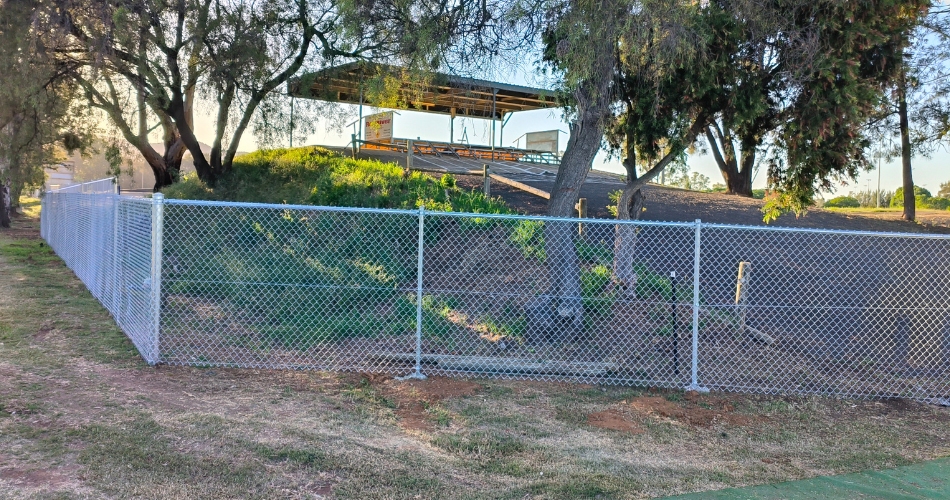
699	124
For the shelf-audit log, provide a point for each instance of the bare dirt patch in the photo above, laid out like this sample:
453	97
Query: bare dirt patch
40	478
692	411
614	420
414	399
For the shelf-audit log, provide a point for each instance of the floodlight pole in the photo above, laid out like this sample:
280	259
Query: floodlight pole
878	195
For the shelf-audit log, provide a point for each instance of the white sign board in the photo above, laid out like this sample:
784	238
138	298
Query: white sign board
542	141
379	127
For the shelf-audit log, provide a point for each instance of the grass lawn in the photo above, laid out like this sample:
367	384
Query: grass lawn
82	416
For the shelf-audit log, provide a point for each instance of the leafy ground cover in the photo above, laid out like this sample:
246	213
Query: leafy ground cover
82	416
317	176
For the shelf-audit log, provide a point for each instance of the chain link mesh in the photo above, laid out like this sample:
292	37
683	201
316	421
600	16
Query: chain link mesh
751	309
107	241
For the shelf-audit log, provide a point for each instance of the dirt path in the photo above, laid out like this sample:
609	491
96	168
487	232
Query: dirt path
82	416
679	205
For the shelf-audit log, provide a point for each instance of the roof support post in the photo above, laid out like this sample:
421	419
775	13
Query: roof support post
452	128
494	93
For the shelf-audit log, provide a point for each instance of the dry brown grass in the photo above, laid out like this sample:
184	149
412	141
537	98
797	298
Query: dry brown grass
81	416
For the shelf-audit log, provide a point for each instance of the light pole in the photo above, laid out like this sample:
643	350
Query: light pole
878	194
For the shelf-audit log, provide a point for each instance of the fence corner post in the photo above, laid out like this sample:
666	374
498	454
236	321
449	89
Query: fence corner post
158	216
417	374
694	378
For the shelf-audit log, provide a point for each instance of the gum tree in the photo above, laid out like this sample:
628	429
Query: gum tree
151	65
38	118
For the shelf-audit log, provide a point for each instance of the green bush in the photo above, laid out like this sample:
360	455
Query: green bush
938	203
921	195
758	194
843	202
597	300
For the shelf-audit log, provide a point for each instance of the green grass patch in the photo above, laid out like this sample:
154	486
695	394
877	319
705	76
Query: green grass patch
317	176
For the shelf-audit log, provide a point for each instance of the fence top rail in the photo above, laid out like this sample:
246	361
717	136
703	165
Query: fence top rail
697	223
320	208
81	184
841	232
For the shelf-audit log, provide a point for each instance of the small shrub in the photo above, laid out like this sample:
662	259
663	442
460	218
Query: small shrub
759	194
528	236
842	202
447	181
190	187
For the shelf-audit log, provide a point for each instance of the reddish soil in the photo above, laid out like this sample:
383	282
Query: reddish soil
697	411
614	420
413	398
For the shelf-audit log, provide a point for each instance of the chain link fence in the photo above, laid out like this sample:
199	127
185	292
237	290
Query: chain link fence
415	293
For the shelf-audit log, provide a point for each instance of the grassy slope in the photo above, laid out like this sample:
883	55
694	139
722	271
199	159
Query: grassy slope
317	176
82	416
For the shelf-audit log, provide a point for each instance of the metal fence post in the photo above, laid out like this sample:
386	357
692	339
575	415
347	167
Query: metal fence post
158	213
417	374
114	272
694	385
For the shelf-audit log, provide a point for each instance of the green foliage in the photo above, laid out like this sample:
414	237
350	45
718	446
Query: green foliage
597	300
843	202
921	197
778	203
937	203
862	52
595	253
651	285
758	194
317	176
614	197
528	236
298	258
944	191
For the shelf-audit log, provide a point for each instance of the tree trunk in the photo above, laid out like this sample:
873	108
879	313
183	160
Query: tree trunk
564	303
157	163
5	204
910	201
629	207
14	192
738	176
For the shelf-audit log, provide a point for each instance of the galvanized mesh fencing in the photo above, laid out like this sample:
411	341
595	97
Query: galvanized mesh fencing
411	292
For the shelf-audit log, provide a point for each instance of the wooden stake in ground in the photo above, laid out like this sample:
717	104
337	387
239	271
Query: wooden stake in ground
742	302
581	214
742	285
486	172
